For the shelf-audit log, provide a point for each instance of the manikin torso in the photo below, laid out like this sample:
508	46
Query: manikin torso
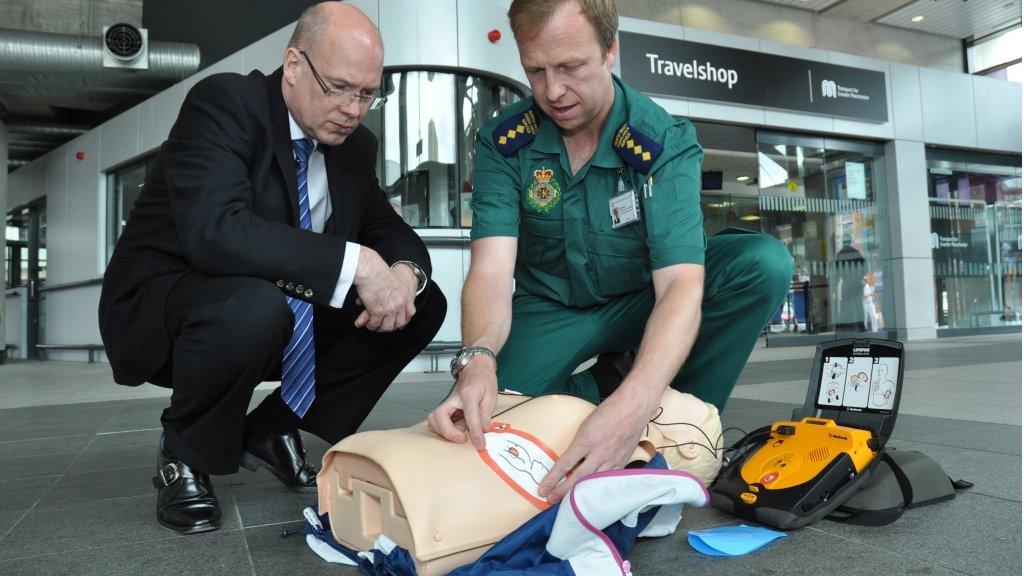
447	503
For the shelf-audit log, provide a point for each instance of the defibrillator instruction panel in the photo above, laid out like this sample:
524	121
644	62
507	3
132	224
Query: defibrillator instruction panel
858	383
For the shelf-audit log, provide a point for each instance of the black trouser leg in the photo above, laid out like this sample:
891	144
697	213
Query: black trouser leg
228	334
354	367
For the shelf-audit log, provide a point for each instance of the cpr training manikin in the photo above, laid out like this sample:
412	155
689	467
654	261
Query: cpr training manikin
447	503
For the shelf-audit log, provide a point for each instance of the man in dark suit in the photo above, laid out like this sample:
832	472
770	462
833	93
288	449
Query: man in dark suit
263	248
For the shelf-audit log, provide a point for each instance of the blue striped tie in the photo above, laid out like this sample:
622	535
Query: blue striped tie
298	366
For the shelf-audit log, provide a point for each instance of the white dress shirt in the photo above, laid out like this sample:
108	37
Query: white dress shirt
320	211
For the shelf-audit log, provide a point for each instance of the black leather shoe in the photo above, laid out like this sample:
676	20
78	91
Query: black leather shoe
610	370
281	454
185	501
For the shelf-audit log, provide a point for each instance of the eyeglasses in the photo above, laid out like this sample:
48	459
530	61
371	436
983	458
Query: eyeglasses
346	96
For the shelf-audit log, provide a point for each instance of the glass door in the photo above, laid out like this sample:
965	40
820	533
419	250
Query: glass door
791	187
26	246
1007	218
854	180
818	197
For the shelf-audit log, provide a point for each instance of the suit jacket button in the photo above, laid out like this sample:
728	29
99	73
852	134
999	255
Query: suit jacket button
280	283
308	293
299	289
289	286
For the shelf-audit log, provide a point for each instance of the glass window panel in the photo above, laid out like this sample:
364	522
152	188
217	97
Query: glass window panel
12	265
114	223
728	178
996	50
479	100
1013	73
11	233
41	252
41	274
124	186
427	132
23	265
17	248
420	148
976	239
131	182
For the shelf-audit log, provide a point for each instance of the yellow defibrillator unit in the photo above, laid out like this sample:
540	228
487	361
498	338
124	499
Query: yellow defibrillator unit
792	473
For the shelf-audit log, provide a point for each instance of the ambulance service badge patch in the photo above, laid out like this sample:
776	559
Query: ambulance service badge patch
544	193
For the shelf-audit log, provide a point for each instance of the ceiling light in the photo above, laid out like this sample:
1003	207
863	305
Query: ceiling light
750	217
743	178
917	18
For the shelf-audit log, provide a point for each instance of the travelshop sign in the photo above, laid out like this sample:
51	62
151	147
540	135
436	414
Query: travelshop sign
669	67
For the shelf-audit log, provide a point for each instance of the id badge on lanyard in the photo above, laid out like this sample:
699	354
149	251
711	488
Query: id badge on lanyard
624	206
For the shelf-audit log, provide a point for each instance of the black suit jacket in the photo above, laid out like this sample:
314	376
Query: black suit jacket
222	199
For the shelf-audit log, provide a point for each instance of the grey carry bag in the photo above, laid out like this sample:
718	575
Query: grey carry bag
900	479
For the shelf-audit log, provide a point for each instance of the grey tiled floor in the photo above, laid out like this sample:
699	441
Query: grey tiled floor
77	452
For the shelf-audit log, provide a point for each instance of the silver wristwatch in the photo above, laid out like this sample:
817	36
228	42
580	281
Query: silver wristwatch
462	358
421	277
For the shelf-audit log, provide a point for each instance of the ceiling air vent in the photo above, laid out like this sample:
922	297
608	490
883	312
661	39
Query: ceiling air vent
125	46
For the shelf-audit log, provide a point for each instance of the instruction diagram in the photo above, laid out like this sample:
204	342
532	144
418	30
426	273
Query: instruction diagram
859	382
858	378
830	391
883	383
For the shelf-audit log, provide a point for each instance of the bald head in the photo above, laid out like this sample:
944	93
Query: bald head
334	58
334	17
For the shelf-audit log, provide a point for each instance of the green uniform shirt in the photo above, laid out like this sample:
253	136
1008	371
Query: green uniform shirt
568	249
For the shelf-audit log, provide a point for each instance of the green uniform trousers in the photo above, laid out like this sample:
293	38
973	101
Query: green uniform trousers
746	278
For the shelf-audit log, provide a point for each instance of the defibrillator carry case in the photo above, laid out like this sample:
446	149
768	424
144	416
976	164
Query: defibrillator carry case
901	479
831	460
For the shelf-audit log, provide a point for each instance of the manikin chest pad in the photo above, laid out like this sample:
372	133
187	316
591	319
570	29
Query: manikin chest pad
447	504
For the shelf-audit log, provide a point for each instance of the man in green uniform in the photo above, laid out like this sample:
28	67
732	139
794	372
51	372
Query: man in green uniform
587	195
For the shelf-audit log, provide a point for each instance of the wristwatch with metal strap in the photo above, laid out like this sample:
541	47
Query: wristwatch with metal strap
421	277
461	359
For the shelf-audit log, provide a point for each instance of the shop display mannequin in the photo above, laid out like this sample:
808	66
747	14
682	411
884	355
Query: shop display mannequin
447	503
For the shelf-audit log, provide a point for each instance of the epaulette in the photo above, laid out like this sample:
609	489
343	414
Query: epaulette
515	132
636	148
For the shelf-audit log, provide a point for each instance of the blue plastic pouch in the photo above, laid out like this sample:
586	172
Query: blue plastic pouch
731	540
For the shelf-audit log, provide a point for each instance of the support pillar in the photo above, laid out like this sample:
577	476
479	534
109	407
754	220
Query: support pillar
910	237
3	237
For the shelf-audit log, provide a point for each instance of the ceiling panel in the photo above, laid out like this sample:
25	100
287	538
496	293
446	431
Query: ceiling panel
956	18
815	5
864	10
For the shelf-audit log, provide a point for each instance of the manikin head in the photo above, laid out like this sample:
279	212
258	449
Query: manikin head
332	70
687	431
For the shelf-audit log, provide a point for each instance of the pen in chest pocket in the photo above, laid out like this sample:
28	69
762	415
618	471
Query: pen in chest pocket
649	187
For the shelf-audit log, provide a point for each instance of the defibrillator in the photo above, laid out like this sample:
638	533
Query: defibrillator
795	472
